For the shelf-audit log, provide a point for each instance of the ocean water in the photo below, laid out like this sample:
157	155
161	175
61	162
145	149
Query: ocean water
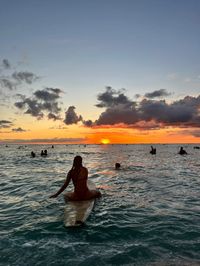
149	213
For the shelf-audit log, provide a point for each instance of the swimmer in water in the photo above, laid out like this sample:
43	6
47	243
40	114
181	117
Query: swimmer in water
182	151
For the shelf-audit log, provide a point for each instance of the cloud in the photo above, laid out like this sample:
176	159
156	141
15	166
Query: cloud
119	108
25	76
43	141
19	129
195	133
7	83
184	112
88	123
113	98
59	127
42	101
147	125
147	113
53	117
5	124
6	64
32	106
157	93
12	81
117	115
48	94
71	117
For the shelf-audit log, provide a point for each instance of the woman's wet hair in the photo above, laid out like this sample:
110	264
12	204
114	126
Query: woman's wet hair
77	161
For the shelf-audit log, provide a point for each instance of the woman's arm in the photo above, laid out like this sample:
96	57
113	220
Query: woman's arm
63	186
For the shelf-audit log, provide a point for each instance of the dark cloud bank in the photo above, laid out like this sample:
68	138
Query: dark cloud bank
145	114
148	113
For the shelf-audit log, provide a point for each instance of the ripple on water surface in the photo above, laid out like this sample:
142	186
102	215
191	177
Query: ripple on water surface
149	212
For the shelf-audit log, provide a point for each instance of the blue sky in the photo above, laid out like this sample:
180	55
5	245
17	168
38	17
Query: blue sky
83	46
91	44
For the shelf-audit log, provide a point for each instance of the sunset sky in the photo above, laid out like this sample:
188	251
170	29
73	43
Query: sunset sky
100	71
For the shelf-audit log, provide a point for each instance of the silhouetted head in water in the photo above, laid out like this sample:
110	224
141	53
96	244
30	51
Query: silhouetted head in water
153	150
182	151
117	165
32	154
77	163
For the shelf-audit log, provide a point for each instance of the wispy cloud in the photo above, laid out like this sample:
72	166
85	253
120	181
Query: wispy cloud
6	64
41	102
195	132
50	140
25	76
14	80
5	124
157	94
60	127
19	129
6	83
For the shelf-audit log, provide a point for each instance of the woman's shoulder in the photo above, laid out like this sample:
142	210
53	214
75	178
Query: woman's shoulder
84	169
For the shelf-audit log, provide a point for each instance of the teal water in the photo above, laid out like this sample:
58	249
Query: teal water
149	213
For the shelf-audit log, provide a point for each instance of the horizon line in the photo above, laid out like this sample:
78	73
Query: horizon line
101	144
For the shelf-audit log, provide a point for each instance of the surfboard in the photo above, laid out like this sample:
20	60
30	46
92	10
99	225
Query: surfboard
77	212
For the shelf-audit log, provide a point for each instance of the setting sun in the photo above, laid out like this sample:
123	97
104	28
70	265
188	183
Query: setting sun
105	141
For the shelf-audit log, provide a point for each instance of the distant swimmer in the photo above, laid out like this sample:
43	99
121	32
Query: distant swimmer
182	151
33	154
44	153
52	146
153	150
79	176
196	147
117	166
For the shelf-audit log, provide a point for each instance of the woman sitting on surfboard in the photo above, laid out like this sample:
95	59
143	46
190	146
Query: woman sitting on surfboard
79	175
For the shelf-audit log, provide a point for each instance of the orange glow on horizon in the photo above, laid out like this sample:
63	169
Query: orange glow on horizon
105	141
41	132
